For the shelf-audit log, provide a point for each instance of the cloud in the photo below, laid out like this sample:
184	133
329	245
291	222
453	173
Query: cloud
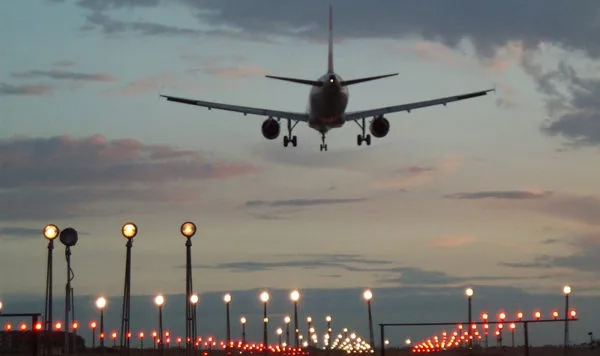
583	257
65	75
18	233
63	175
508	194
451	241
302	202
9	89
419	175
65	63
440	31
584	209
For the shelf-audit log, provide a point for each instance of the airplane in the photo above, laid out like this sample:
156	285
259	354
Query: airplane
326	107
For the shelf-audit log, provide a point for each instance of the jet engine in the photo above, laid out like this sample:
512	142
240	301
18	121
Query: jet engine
379	126
270	129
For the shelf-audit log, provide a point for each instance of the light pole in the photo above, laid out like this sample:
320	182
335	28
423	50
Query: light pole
128	230
159	300
279	333
227	300
308	324
51	232
243	322
567	292
484	317
101	304
295	296
368	295
194	300
328	320
93	327
264	298
188	229
287	321
469	294
69	238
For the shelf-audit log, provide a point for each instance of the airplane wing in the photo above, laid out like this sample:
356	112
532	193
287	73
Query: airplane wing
355	115
295	116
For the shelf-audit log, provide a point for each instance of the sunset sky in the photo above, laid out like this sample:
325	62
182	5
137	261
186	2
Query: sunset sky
499	192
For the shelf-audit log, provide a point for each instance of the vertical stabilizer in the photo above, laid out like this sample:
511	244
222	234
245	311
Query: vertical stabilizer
330	56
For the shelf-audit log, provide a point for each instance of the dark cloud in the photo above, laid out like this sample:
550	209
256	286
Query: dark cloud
17	233
510	194
582	257
65	176
9	89
65	75
302	202
313	261
567	26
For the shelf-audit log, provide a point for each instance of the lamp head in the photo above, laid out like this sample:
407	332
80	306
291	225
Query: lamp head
129	230
243	320
51	232
188	229
159	300
279	331
328	318
469	292
101	303
295	295
567	290
308	319
287	319
194	298
68	237
368	295
264	296
227	298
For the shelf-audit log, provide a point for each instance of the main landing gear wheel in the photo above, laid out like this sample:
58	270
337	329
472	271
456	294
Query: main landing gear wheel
361	138
323	147
287	140
364	136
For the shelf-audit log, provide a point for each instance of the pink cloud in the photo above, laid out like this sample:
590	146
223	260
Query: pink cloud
38	89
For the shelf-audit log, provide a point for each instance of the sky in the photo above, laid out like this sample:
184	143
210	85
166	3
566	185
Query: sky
498	193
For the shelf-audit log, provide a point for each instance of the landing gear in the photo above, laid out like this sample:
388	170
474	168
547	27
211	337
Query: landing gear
289	138
364	137
323	144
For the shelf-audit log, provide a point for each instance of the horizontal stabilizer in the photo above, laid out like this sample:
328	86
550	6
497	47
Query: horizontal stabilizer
314	83
361	80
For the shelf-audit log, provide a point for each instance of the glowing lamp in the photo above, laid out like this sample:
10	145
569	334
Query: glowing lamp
469	292
93	325
159	300
264	296
502	316
513	326
573	313
555	314
101	303
38	326
243	320
295	295
75	325
567	290
188	229
141	335
519	315
129	230
227	298
58	325
484	316
287	319
328	318
537	315
368	295
194	299
50	232
308	319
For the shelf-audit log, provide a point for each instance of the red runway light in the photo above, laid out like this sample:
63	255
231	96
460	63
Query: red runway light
93	324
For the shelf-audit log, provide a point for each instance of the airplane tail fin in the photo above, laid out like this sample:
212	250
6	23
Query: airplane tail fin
366	79
330	53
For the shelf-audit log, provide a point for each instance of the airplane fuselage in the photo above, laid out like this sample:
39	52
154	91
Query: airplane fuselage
327	103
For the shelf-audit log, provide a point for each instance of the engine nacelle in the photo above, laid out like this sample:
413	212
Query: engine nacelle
270	129
379	126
